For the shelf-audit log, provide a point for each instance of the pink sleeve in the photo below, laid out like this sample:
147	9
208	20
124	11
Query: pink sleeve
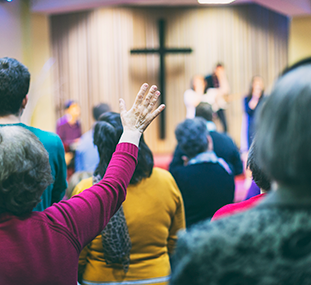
224	211
86	214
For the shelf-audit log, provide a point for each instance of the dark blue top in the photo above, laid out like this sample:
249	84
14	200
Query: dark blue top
251	114
205	188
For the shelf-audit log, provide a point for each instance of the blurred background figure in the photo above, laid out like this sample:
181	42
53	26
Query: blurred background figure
68	127
138	240
252	103
199	93
218	79
69	130
205	181
224	147
194	95
86	155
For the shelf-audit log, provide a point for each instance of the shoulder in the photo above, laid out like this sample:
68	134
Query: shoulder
82	185
235	208
166	181
162	176
49	140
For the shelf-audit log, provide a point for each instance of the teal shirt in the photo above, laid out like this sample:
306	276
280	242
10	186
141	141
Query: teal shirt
54	146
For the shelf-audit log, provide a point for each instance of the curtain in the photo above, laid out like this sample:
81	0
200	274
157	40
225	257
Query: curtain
94	64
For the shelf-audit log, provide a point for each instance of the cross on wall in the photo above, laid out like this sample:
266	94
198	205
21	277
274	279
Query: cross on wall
162	51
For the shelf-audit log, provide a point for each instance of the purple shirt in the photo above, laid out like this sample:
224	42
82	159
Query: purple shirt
44	247
69	133
254	190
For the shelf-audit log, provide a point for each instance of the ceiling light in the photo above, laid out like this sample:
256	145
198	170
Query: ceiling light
215	1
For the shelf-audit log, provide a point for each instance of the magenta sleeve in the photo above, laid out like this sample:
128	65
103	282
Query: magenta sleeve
86	214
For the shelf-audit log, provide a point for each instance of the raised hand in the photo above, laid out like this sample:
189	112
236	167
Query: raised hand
142	112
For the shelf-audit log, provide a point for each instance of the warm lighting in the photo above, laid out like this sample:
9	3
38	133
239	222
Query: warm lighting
215	1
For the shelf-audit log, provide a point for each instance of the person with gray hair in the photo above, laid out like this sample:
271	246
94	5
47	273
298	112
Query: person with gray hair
205	181
223	145
43	247
271	243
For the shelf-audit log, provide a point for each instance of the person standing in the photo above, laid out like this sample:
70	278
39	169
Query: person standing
86	155
206	182
218	79
14	86
136	244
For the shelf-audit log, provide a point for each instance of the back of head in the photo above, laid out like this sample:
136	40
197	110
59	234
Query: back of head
14	85
100	109
260	178
205	111
25	171
75	179
107	133
191	135
284	131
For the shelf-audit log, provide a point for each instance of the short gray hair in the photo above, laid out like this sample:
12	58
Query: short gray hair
25	171
191	135
284	130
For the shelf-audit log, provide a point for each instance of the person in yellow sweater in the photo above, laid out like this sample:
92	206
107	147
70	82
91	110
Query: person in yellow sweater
135	246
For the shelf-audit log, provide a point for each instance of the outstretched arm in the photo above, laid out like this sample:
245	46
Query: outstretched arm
86	214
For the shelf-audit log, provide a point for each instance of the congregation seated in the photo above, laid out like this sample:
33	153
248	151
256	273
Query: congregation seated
259	178
43	247
270	243
136	244
205	181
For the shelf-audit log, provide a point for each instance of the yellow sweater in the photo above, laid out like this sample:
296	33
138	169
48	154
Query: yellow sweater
154	213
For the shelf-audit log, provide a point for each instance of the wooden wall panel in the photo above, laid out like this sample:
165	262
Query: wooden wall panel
92	51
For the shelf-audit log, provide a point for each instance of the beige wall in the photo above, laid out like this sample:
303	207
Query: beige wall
25	36
41	105
11	30
300	39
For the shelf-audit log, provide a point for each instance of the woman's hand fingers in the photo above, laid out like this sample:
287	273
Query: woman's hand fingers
141	115
152	116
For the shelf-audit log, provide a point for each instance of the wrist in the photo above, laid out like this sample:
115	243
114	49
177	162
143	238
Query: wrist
130	136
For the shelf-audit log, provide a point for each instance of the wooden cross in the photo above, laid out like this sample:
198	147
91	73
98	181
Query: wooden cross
162	51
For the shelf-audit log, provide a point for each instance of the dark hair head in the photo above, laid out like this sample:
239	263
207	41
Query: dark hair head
74	180
297	64
107	133
100	109
25	170
284	132
259	176
14	85
205	111
68	103
191	135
